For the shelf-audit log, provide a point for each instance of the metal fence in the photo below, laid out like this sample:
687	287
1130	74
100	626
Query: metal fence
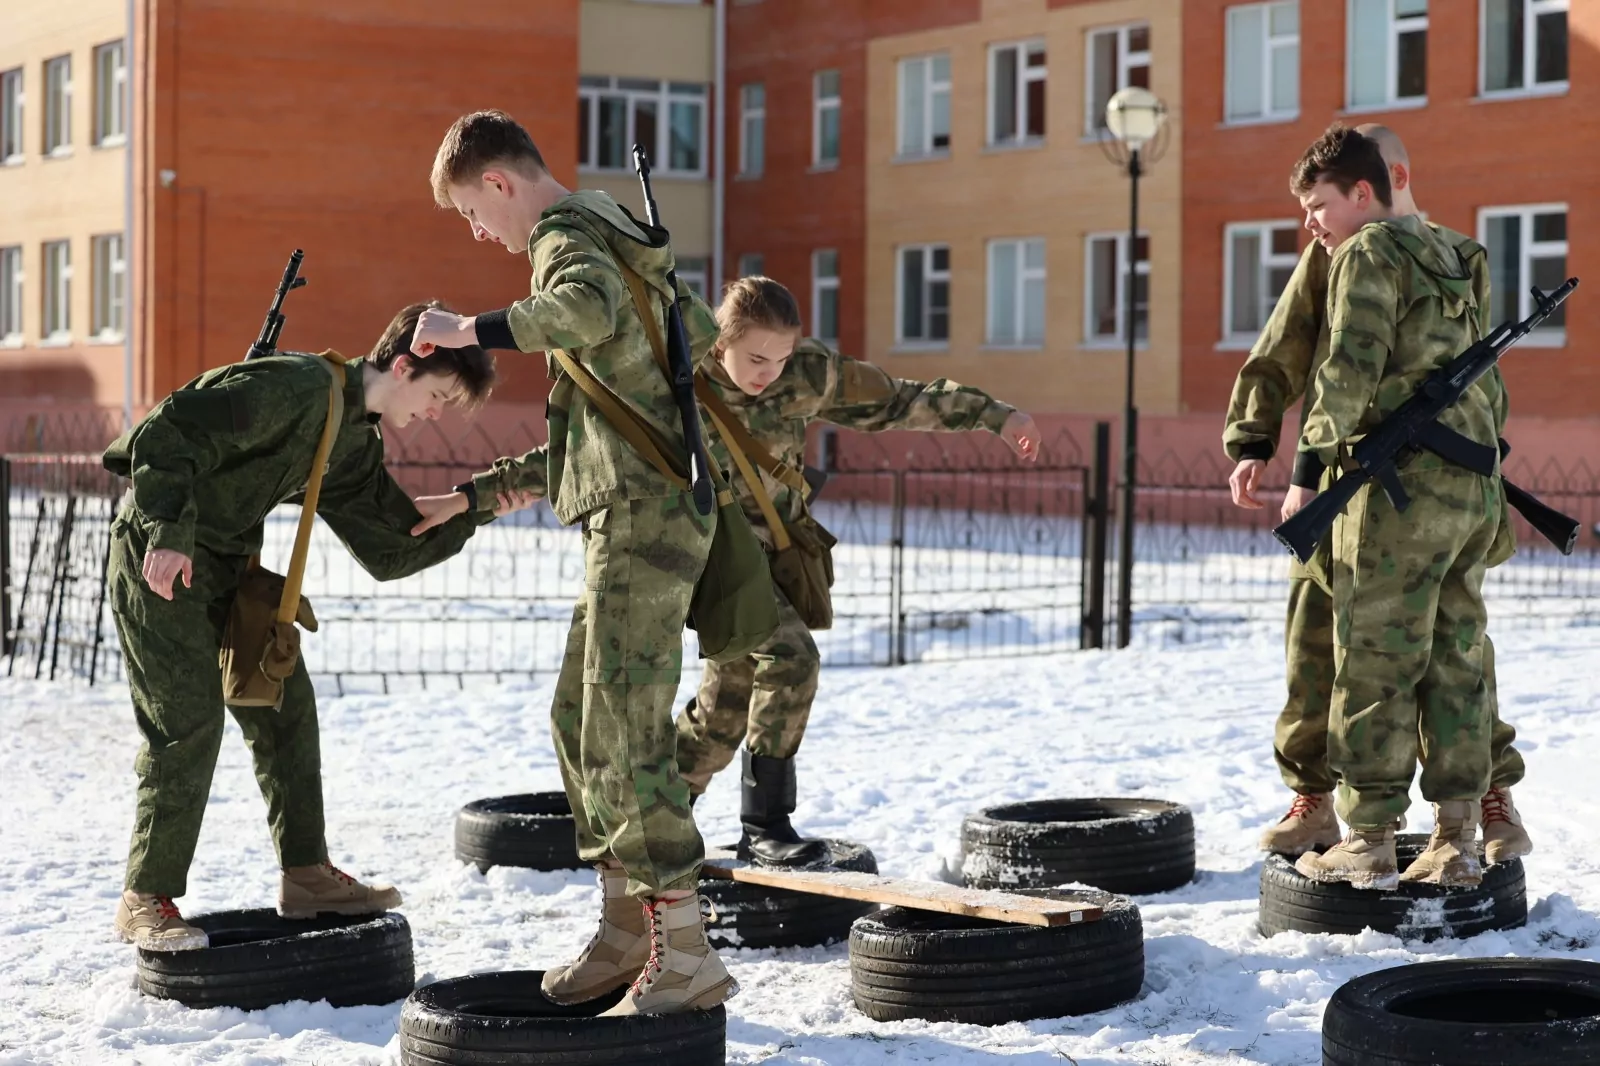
958	552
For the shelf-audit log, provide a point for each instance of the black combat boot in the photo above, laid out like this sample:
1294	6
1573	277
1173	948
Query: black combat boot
768	800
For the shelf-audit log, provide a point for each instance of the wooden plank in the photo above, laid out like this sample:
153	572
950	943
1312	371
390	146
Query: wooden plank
901	892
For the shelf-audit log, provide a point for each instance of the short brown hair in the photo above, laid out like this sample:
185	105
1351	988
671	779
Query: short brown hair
472	366
1343	157
756	302
478	141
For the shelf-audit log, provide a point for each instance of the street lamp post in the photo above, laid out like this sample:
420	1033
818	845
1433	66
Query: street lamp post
1136	120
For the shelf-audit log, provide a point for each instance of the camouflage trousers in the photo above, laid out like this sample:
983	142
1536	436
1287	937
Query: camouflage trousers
612	714
170	653
1300	739
1408	629
765	696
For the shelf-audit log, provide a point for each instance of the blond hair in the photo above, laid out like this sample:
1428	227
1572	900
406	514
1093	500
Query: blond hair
478	141
756	303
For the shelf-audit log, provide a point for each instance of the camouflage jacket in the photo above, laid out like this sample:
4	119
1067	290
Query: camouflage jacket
1401	304
214	458
817	384
580	303
1294	343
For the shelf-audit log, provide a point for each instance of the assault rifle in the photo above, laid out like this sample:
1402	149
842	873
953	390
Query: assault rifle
1414	426
267	343
680	367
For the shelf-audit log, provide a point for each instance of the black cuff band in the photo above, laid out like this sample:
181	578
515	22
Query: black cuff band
494	330
1255	449
1307	470
470	491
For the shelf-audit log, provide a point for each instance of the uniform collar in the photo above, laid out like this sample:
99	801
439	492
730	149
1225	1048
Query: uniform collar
355	395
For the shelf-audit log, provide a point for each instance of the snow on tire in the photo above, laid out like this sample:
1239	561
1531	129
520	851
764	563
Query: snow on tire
951	968
532	831
1291	901
1467	1012
503	1018
755	916
1131	846
257	959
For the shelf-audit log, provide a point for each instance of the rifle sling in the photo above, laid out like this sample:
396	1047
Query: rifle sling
1463	451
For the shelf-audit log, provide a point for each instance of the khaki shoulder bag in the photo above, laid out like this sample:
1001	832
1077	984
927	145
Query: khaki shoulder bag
260	645
734	609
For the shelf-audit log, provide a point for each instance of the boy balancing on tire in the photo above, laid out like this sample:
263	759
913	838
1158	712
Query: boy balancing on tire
645	546
207	465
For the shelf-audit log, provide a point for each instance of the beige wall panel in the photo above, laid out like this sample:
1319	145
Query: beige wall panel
627	38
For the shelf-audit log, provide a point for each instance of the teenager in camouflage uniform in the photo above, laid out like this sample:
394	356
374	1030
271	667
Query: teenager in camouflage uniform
645	546
1408	609
776	384
1287	355
208	464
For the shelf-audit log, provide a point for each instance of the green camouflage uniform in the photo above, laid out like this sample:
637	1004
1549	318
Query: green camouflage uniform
1408	608
768	694
644	544
208	464
1291	347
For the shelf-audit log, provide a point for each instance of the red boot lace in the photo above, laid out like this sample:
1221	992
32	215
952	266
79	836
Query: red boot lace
165	908
653	966
1495	804
1303	806
338	873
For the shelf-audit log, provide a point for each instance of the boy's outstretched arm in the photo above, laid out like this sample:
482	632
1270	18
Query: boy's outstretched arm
509	485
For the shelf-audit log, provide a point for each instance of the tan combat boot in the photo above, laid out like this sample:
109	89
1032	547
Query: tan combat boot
1310	824
616	953
1452	855
307	891
153	923
1503	835
683	973
1364	859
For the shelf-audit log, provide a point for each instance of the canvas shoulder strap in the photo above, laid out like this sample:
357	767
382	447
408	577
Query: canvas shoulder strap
289	604
780	533
763	457
633	428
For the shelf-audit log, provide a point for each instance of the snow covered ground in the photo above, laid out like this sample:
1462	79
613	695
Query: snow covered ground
895	758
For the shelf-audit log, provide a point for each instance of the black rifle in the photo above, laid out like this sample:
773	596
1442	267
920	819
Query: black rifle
267	343
680	367
1414	426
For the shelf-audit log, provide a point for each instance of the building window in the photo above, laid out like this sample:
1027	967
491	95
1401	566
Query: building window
752	265
58	105
1016	293
1016	93
1107	275
11	296
56	303
110	94
925	105
691	270
1527	247
923	295
1263	80
825	295
11	116
1524	45
614	114
825	110
752	129
110	287
1258	258
1388	51
1118	59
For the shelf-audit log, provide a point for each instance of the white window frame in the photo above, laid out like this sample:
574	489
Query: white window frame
11	296
1397	26
12	99
1531	11
57	107
1271	45
929	278
108	295
752	116
1094	118
820	106
747	260
1024	76
592	88
111	94
1266	261
1544	336
1090	338
1017	247
822	284
55	295
931	87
